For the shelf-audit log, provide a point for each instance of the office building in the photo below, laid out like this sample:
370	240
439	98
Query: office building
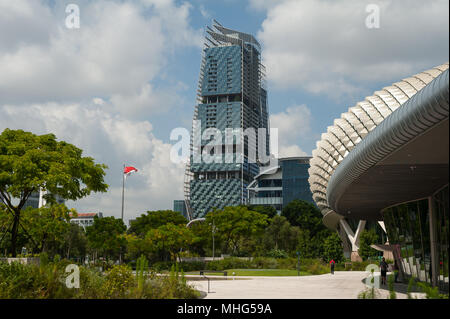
279	185
231	97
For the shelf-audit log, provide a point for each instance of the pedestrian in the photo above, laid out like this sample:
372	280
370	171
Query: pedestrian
332	266
383	267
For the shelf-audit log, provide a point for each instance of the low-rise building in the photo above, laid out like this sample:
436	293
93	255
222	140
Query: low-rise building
85	219
279	185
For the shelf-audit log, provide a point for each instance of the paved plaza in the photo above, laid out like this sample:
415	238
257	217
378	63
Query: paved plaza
341	285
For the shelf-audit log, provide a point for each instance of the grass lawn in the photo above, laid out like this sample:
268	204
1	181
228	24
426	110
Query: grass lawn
256	272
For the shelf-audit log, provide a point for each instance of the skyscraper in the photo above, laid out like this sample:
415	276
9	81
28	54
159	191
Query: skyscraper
231	97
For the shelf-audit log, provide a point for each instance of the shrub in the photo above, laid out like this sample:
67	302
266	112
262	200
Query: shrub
392	294
47	281
277	253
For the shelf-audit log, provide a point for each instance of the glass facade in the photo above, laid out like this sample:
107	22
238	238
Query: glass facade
295	180
440	208
408	230
180	207
231	95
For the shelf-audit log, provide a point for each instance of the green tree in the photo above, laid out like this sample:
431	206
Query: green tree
305	245
169	239
304	215
153	220
105	236
75	242
267	210
281	235
236	226
48	226
367	238
333	248
30	162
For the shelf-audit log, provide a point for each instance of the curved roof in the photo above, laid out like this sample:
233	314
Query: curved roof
425	110
352	127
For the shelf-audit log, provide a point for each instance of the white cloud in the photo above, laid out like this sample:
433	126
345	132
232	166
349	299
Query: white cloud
112	140
324	46
116	50
205	14
293	125
95	86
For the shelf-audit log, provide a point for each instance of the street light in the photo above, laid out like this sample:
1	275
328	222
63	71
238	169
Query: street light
298	263
213	230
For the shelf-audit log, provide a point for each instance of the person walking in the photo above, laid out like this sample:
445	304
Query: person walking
332	266
383	268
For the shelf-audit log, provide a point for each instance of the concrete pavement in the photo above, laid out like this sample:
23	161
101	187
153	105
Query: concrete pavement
341	285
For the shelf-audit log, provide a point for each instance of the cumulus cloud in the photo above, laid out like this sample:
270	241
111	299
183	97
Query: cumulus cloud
324	47
95	87
112	140
293	125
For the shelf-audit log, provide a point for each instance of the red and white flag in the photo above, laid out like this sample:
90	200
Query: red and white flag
128	170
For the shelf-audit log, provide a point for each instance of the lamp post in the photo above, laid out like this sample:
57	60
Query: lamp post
298	263
213	230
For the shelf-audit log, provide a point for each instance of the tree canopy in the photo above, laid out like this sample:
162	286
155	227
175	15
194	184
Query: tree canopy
367	238
304	215
155	219
236	225
105	236
30	163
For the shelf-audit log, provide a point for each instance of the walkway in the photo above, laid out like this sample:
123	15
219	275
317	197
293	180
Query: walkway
341	285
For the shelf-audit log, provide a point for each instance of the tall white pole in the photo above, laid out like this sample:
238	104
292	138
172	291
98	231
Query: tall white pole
123	188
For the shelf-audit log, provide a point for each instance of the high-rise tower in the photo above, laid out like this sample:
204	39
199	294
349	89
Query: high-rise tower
231	96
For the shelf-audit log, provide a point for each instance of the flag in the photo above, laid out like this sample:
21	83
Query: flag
128	170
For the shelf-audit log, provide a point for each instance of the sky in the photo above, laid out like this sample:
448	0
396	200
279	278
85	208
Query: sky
120	83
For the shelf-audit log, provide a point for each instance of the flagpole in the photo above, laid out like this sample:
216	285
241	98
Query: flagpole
123	188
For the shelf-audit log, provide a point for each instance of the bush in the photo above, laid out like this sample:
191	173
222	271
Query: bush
186	266
47	281
118	282
277	253
229	263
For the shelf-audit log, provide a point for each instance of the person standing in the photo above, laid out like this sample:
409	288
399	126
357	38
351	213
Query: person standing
383	268
332	266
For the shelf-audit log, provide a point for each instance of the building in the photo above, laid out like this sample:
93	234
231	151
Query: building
85	219
279	185
386	161
37	200
180	206
231	98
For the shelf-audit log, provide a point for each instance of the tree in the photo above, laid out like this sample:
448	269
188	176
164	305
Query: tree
236	225
75	241
29	163
48	226
153	220
313	232
169	239
105	236
333	248
281	235
267	210
367	238
304	215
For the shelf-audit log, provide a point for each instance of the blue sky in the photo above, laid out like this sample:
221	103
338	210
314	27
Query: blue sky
120	83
